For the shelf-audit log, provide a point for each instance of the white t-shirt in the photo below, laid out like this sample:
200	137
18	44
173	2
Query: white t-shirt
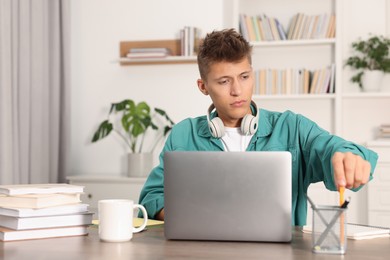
234	140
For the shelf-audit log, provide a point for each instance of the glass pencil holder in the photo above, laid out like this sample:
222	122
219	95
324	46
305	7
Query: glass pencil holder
329	234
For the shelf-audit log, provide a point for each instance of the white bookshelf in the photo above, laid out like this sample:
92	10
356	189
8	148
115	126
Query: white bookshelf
354	116
306	53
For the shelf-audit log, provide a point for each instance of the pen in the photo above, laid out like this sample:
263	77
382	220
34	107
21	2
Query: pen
342	205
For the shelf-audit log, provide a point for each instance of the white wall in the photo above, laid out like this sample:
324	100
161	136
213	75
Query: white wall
97	80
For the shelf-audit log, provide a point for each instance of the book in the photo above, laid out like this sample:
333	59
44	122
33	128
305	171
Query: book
256	28
46	188
261	28
137	222
46	221
36	201
292	25
148	50
360	231
251	30
50	211
136	55
243	27
14	235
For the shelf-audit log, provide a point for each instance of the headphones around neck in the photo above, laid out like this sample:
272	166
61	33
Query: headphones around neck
248	124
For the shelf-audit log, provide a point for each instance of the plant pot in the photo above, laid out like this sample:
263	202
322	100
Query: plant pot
139	164
372	80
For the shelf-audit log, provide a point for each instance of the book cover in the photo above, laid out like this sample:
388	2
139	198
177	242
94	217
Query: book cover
359	231
256	28
274	29
36	201
46	221
291	28
312	32
136	55
251	30
281	31
50	211
14	235
243	27
45	188
261	28
297	27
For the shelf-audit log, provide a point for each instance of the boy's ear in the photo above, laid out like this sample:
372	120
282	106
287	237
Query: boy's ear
202	86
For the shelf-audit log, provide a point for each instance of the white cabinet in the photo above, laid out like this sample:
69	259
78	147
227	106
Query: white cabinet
379	188
107	187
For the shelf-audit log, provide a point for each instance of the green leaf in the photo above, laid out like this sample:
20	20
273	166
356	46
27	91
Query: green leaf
164	114
104	129
126	104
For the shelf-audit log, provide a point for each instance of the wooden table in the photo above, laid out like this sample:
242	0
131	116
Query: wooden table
151	244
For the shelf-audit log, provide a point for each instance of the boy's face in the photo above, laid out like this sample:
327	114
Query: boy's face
230	86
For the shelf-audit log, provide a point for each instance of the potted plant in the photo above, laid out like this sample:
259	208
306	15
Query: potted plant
133	122
371	59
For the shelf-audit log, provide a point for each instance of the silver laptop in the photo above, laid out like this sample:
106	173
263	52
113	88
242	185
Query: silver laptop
232	196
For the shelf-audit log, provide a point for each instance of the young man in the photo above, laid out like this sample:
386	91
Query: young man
224	62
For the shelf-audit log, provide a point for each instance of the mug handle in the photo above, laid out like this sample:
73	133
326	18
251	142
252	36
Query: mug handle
145	215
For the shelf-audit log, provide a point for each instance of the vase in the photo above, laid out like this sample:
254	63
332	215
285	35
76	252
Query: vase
139	164
372	80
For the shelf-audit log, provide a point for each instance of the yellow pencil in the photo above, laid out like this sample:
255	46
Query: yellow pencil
342	200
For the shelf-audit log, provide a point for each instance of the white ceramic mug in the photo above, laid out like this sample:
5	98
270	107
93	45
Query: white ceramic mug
116	219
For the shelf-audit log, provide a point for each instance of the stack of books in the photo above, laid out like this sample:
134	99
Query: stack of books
294	81
189	40
147	53
264	28
42	211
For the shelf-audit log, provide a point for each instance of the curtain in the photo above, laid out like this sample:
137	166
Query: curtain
34	90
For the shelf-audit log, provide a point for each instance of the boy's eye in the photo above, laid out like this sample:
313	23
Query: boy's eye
224	81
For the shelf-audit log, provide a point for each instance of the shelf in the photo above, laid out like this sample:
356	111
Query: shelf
294	43
379	142
296	97
173	45
367	95
165	60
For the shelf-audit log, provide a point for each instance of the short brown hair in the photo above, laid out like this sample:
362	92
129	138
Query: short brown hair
225	45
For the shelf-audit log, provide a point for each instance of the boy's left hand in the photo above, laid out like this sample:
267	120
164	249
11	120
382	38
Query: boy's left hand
350	170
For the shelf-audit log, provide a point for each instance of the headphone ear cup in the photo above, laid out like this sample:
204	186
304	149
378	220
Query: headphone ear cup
217	129
249	125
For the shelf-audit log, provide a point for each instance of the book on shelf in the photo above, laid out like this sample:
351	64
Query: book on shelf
294	81
304	26
18	223
50	211
261	28
46	188
36	201
189	40
251	30
291	26
359	231
15	235
274	29
138	53
282	33
384	131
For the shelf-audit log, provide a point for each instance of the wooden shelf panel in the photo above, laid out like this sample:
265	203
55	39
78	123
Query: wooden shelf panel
295	96
173	45
152	61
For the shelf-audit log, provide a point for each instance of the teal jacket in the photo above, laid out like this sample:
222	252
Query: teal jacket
311	148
